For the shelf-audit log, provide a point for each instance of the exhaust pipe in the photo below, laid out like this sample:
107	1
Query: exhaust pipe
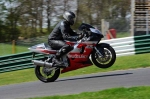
41	63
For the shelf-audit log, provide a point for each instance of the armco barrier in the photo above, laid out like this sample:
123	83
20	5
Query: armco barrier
123	47
17	62
130	45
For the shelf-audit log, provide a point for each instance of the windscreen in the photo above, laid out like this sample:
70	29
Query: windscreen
84	25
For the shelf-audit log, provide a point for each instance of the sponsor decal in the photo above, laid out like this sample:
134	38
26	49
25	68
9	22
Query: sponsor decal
77	56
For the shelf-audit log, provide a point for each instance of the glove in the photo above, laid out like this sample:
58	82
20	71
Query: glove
80	36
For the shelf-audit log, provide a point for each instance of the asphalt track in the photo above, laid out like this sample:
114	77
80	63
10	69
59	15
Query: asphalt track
78	84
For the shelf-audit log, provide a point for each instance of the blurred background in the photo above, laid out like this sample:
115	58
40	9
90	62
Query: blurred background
24	23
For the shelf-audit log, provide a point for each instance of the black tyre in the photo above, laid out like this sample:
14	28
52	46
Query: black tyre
107	60
46	74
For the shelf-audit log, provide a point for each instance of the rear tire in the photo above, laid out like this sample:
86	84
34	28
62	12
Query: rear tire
108	59
44	76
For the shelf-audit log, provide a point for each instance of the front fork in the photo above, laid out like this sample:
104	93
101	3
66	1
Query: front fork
100	52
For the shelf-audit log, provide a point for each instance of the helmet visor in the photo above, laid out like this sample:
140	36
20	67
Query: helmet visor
72	20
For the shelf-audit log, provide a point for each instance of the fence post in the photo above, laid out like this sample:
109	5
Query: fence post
13	47
132	17
104	27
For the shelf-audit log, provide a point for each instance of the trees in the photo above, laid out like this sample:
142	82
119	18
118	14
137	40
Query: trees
10	17
93	10
30	18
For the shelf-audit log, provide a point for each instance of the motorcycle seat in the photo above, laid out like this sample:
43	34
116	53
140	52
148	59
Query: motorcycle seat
48	47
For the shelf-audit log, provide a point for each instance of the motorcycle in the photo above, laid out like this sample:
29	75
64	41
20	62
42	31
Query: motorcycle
86	52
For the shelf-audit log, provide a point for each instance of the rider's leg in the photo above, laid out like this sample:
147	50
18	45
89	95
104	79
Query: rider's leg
63	49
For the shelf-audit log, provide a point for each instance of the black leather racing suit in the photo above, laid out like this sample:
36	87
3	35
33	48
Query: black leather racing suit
61	32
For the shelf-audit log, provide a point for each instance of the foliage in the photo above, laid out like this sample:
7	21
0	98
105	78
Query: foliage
27	18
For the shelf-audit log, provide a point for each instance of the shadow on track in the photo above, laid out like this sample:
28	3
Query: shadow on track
98	76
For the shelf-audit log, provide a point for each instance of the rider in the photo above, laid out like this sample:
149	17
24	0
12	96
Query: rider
60	33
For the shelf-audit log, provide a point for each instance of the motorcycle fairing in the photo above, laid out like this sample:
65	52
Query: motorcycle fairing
42	48
78	57
79	60
76	66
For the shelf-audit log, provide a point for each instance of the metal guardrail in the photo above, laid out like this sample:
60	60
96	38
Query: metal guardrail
123	47
130	45
17	62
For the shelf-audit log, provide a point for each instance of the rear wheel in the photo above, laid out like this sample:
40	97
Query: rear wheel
47	74
105	61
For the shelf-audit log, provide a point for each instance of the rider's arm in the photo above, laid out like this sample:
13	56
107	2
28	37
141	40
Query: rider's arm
65	30
73	33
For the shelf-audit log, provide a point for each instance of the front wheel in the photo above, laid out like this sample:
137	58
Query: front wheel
108	58
47	74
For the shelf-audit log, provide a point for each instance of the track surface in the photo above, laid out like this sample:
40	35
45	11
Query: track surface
78	84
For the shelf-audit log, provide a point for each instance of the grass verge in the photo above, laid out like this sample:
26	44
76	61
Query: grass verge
115	93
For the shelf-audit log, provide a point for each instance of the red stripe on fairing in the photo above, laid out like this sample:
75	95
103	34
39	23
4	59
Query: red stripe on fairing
74	67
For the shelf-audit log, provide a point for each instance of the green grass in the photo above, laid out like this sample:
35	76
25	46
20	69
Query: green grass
17	77
7	49
123	34
115	93
122	63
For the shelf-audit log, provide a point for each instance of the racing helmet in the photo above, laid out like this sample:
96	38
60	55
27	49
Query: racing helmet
69	16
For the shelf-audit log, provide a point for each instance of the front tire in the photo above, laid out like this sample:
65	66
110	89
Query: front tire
107	60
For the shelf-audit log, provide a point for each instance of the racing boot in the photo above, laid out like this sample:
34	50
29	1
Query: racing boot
57	62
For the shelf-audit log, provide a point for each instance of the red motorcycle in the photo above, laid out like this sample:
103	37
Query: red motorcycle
86	52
